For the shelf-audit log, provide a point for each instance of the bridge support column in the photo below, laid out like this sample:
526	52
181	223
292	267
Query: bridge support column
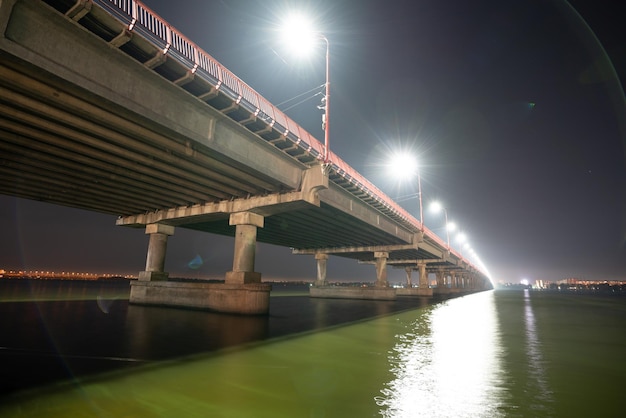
322	261
423	280
473	282
157	248
439	274
246	224
380	291
381	268
408	271
442	280
242	292
454	283
422	289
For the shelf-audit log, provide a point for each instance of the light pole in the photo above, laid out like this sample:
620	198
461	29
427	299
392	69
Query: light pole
300	35
326	115
438	207
419	193
404	166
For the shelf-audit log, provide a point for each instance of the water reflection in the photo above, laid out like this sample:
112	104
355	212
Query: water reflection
448	363
537	384
156	333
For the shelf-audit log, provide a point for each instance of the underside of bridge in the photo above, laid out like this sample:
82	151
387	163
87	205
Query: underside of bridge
98	113
63	143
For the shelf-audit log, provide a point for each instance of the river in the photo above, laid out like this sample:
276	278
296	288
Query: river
79	349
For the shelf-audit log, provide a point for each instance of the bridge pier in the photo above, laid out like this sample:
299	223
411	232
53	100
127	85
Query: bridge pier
246	224
408	271
157	248
422	289
241	293
423	279
322	263
442	288
381	268
454	283
380	291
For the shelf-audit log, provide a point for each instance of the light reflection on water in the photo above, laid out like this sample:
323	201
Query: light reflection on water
448	363
537	384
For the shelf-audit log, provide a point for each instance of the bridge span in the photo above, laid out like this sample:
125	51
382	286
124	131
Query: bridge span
106	107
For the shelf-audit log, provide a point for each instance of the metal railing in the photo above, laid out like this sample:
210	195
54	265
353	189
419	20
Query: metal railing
151	26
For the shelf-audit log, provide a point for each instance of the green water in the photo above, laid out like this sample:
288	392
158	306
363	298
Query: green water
564	354
484	355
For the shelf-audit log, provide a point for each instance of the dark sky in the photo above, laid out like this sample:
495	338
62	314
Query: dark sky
515	110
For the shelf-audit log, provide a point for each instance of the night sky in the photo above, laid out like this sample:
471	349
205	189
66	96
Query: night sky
515	110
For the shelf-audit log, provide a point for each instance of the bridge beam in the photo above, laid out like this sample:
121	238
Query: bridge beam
312	181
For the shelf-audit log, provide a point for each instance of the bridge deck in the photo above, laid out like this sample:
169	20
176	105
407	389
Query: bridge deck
187	134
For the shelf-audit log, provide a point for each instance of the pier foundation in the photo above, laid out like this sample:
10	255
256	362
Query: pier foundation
241	293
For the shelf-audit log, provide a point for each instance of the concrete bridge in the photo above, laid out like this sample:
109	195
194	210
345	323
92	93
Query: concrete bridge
106	107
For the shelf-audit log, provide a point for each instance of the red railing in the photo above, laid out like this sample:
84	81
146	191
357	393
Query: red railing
143	20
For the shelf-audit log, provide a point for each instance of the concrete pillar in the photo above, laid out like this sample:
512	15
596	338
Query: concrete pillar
453	281
381	268
408	271
440	278
322	261
246	224
157	248
423	280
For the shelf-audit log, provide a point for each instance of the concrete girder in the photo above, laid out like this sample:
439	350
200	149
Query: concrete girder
79	10
93	120
416	245
122	38
347	203
366	249
80	175
42	37
313	181
71	139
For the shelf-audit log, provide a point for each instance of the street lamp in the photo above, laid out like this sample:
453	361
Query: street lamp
405	166
438	207
299	34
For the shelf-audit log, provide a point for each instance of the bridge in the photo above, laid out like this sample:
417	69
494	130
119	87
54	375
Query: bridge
106	107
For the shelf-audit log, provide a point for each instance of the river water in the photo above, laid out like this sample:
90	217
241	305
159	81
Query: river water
78	349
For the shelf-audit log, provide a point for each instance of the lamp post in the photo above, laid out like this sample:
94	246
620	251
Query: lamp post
419	192
438	207
404	166
326	115
300	35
